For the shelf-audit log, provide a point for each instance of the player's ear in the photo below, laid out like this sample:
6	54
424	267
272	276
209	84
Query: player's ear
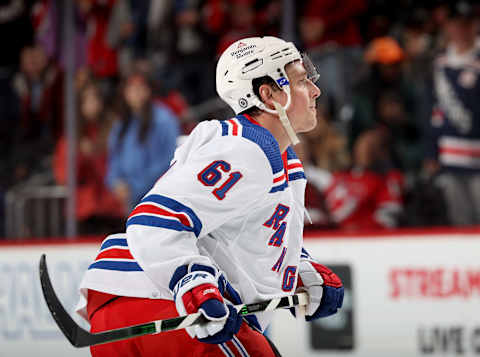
266	94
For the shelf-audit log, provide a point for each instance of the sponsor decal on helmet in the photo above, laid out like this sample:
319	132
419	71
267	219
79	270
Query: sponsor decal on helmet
243	51
282	82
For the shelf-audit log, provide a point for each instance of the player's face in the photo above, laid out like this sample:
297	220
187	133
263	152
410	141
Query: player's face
302	111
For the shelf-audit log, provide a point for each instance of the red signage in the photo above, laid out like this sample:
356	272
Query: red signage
434	283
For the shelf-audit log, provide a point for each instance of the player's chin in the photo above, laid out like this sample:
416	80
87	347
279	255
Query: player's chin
309	124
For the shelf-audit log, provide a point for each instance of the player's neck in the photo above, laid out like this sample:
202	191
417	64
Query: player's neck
275	127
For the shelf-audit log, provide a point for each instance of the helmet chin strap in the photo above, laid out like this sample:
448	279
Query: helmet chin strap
282	115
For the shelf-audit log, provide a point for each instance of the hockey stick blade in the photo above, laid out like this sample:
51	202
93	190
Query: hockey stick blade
79	337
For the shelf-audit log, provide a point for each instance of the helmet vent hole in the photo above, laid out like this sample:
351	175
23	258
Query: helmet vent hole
251	62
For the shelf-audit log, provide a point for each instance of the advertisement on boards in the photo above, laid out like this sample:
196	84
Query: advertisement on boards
405	295
26	327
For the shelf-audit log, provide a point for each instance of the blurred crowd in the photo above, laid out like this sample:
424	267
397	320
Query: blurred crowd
398	139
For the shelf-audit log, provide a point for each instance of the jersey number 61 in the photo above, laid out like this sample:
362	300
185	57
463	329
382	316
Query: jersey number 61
213	173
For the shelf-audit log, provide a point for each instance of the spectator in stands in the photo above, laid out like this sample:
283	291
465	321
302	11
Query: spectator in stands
127	30
101	57
141	142
195	43
452	135
241	24
420	44
318	216
47	18
39	86
161	40
164	94
98	210
39	89
330	32
268	16
385	97
327	144
369	195
404	134
177	103
322	152
14	19
16	32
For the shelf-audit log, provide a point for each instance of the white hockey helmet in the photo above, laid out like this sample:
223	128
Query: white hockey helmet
256	57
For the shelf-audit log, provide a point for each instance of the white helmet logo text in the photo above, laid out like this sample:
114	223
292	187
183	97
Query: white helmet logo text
242	51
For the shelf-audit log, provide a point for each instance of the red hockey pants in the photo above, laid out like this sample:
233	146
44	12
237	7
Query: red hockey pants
109	312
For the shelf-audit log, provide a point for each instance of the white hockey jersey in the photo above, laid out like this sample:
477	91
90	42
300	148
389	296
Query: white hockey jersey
231	199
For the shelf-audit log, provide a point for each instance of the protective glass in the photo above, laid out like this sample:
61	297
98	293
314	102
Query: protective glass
312	73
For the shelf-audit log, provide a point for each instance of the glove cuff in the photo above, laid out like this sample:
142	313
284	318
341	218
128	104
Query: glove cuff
308	275
329	277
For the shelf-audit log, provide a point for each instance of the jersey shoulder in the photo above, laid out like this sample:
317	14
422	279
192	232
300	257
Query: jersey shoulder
243	126
242	138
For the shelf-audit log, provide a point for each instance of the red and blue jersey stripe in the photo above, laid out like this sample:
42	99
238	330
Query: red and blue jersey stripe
164	212
115	255
280	182
232	127
294	166
292	170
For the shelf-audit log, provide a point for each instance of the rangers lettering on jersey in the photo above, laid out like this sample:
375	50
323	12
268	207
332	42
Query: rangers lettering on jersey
279	262
274	222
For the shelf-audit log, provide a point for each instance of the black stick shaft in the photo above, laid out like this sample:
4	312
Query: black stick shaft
79	337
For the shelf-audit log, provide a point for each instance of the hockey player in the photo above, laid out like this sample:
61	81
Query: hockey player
224	224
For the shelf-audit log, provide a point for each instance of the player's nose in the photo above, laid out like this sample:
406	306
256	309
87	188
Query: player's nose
315	91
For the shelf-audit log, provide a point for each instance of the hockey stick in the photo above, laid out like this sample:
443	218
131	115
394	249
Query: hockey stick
79	337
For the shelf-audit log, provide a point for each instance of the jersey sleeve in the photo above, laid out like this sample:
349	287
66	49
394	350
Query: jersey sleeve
205	187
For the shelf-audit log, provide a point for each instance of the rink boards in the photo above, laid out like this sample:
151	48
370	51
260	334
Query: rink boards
408	293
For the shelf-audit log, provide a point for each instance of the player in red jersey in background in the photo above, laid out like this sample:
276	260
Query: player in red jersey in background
367	196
